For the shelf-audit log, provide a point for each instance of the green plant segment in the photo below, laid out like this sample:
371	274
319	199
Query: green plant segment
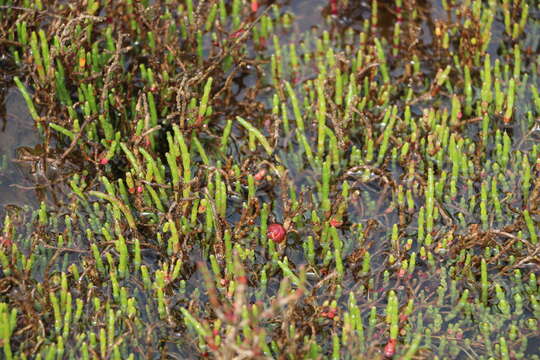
404	170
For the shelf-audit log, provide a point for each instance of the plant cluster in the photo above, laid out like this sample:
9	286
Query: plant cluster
235	189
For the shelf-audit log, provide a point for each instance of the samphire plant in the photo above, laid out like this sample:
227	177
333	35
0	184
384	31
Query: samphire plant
234	188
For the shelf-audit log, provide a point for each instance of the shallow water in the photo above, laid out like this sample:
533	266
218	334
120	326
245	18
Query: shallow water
17	131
